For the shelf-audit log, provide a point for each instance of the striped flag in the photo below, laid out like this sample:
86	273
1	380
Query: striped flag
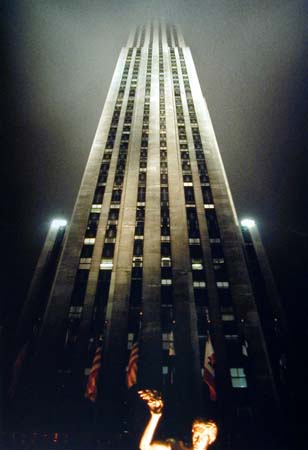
209	371
132	368
91	388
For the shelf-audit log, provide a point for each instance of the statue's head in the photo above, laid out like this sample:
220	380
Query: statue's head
204	433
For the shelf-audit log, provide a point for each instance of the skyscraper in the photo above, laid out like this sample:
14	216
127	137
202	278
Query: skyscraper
153	262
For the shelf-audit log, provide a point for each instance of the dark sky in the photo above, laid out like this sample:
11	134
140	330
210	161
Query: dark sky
59	58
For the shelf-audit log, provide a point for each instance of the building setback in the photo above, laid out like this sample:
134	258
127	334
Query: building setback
154	255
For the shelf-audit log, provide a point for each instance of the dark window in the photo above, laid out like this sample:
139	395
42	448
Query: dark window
87	251
195	251
136	292
99	194
137	273
134	320
207	195
189	195
166	319
116	195
165	249
200	297
224	297
164	194
166	295
92	225
217	251
212	224
166	272
140	213
111	231
141	194
139	229
108	250
164	178
138	247
113	214
79	287
102	290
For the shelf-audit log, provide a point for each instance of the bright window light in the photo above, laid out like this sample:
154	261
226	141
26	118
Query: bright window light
249	223
57	223
106	264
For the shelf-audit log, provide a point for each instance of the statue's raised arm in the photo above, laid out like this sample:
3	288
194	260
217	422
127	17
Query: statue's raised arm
204	432
155	404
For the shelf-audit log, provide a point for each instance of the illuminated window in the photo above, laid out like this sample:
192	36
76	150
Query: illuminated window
85	260
96	208
137	261
199	284
165	238
222	284
83	266
166	261
196	265
75	312
238	378
218	260
106	264
231	337
228	317
194	240
166	281
89	241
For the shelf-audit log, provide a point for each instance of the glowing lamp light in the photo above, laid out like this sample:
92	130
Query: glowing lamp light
248	223
57	223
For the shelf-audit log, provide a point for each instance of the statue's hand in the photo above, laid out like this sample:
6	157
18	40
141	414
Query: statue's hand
153	399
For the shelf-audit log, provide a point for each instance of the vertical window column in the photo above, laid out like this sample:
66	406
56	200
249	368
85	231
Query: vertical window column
81	280
167	313
196	254
218	261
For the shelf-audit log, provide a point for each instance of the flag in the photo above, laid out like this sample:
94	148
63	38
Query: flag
132	368
209	371
16	370
171	344
91	388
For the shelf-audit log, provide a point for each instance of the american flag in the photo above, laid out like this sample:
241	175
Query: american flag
132	368
209	371
91	388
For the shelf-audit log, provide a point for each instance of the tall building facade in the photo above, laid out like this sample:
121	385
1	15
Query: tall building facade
153	256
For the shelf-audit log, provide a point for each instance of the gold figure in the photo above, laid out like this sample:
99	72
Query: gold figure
204	432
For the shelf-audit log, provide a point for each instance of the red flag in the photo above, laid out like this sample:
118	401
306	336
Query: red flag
17	367
91	389
209	371
132	368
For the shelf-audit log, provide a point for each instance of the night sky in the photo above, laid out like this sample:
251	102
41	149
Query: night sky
251	58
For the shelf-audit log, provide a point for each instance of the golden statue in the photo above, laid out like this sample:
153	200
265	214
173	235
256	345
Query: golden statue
204	432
